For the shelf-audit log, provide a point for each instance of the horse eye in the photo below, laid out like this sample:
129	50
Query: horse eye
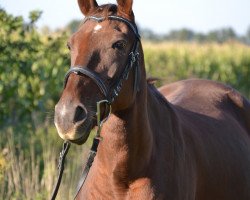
120	45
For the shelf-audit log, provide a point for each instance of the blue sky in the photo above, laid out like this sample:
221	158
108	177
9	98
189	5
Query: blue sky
162	16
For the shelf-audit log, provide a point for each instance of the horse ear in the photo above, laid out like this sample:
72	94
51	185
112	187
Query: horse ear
87	5
125	7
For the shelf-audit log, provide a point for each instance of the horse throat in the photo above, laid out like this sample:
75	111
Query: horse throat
126	148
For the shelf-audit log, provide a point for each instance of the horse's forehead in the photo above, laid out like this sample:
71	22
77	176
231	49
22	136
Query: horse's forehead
97	28
104	27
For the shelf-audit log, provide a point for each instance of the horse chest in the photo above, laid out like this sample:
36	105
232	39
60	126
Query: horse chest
140	189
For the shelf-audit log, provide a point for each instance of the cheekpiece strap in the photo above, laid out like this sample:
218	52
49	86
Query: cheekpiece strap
133	60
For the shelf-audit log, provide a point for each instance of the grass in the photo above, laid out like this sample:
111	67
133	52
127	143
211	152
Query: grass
32	174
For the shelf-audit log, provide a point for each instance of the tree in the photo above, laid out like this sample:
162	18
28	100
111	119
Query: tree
180	35
73	25
248	35
29	65
222	35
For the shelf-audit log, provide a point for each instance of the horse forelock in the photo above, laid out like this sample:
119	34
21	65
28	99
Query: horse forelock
106	10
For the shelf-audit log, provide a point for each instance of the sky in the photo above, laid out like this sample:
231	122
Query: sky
161	16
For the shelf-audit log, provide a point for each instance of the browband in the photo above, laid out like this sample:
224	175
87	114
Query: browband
110	95
114	17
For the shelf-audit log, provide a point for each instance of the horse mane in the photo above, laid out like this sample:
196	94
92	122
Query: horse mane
156	92
106	10
152	80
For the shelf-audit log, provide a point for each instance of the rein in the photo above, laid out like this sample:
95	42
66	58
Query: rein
63	153
109	95
92	154
94	146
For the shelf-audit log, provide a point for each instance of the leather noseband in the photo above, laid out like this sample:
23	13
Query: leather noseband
110	95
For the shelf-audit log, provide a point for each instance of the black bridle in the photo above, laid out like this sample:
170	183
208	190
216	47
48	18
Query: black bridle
109	94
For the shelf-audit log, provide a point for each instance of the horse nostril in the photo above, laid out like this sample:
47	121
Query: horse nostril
80	114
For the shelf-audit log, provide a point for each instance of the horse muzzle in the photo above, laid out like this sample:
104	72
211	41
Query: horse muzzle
72	122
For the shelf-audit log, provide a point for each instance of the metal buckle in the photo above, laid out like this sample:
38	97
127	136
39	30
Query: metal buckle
98	115
134	56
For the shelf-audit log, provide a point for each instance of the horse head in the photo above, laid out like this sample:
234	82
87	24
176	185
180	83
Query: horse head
103	52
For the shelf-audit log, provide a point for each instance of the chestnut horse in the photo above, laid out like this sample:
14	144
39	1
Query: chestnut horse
192	144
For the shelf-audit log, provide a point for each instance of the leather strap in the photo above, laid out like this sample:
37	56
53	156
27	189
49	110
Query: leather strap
63	153
110	95
131	63
88	165
114	17
130	24
91	74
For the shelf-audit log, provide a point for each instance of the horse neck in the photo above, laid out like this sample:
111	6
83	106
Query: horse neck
128	145
127	141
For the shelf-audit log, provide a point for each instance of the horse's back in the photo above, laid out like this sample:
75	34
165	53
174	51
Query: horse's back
215	120
208	98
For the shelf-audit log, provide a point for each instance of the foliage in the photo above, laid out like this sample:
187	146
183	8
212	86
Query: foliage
32	67
30	64
220	35
73	25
